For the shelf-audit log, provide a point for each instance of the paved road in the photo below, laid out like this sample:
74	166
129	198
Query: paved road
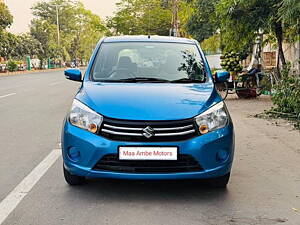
264	189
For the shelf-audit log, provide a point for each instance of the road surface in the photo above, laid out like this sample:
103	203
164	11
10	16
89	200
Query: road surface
264	188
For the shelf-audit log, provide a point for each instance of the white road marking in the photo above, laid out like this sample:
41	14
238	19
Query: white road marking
11	201
4	96
55	83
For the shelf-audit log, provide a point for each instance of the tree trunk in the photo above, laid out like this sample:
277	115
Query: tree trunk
279	36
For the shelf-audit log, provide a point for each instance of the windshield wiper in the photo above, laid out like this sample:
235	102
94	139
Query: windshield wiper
187	80
143	79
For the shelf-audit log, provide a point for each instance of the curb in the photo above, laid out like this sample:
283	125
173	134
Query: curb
33	71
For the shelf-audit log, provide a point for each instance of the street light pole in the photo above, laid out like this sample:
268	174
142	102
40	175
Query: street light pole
57	24
175	23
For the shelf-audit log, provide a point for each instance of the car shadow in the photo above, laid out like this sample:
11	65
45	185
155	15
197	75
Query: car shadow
150	191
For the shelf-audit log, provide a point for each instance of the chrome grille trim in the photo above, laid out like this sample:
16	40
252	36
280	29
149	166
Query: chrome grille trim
173	128
175	134
148	131
122	128
140	134
121	133
140	129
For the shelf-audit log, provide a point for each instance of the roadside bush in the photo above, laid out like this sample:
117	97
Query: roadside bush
12	66
286	97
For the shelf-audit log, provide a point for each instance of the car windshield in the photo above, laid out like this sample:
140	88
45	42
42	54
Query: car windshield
148	62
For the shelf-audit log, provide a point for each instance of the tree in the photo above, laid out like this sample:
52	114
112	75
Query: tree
89	29
289	11
134	17
27	46
6	19
79	29
241	21
67	10
45	34
6	39
7	45
203	22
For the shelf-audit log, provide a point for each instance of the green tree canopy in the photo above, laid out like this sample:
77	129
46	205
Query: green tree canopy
289	11
79	29
7	45
241	21
203	22
45	33
134	17
6	18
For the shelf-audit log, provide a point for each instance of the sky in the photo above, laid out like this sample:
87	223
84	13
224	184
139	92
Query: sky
20	9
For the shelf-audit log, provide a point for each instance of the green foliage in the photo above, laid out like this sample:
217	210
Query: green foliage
185	11
45	33
203	22
286	97
136	17
287	93
26	46
6	19
12	65
211	45
8	45
290	11
241	20
79	28
231	62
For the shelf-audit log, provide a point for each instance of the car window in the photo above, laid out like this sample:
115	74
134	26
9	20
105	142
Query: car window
169	61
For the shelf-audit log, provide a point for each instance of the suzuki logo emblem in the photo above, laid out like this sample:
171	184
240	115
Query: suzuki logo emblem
148	132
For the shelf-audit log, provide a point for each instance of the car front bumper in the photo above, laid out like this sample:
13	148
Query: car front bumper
204	149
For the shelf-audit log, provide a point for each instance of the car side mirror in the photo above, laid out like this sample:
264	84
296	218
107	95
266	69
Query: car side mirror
221	76
73	74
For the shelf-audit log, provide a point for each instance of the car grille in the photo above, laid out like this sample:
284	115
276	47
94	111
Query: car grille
184	163
148	131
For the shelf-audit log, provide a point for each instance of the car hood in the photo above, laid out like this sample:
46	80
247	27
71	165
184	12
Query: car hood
148	101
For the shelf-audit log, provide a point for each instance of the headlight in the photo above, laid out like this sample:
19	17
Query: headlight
85	118
214	118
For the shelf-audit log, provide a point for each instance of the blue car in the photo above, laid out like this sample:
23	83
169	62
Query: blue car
147	109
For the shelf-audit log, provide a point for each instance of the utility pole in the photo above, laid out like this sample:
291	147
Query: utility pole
174	31
57	24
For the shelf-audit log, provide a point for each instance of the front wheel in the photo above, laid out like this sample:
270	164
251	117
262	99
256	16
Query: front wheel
73	179
219	182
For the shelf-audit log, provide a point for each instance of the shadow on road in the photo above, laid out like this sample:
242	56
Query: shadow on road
150	191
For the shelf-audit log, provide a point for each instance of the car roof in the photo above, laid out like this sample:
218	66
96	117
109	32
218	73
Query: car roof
145	38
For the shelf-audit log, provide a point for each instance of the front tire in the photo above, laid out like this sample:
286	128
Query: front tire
220	182
73	179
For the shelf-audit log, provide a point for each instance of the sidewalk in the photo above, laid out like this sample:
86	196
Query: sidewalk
34	71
